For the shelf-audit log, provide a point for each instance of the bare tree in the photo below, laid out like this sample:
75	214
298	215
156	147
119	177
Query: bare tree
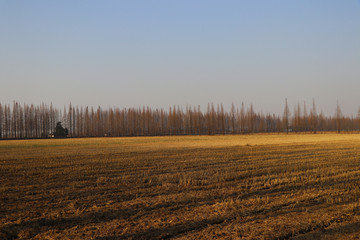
242	118
221	115
251	119
1	121
29	121
338	118
233	118
297	118
313	118
200	120
286	116
358	119
305	119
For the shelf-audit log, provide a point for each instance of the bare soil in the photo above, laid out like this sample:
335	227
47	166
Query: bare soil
220	187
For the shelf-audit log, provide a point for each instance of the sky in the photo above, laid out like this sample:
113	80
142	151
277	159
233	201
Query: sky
161	53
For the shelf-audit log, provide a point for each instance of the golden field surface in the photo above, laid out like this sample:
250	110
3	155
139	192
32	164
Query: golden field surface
274	186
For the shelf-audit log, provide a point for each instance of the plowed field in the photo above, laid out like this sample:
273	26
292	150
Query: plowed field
192	187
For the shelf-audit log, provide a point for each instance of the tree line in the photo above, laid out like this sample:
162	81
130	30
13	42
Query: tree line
21	121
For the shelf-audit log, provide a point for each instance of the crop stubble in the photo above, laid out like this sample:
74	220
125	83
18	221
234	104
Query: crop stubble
192	187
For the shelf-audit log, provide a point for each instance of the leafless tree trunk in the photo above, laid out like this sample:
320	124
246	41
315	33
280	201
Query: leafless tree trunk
286	116
233	118
338	117
313	118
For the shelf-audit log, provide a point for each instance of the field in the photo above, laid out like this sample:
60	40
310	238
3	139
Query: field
191	187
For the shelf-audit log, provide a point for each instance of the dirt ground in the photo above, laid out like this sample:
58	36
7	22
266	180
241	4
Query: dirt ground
192	187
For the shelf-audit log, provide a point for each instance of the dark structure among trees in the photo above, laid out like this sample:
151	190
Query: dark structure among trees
30	121
60	132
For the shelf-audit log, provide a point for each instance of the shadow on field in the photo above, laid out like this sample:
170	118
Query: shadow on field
30	229
33	227
321	233
167	232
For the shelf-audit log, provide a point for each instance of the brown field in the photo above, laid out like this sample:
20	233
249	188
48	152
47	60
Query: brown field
193	187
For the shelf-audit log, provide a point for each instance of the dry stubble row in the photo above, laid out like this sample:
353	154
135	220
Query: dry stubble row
250	187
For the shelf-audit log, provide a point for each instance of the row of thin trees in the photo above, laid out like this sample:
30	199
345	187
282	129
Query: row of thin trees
30	121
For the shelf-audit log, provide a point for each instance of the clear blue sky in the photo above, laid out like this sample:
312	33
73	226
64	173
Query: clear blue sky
160	53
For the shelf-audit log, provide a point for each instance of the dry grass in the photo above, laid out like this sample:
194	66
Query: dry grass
220	187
